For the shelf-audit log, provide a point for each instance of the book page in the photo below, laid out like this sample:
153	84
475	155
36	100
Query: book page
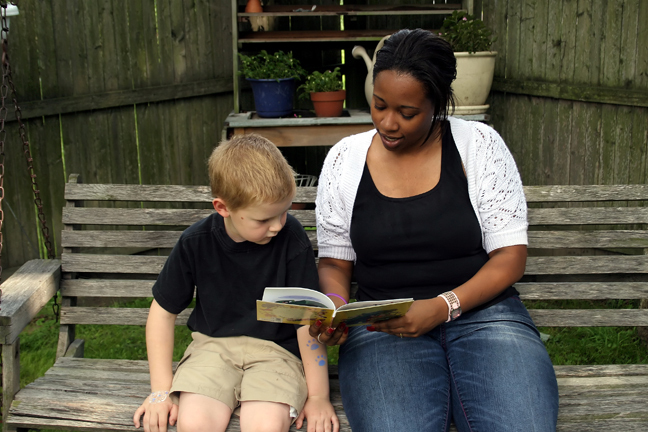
371	312
297	296
292	314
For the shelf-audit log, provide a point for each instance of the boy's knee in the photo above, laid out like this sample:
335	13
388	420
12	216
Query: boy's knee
201	422
266	425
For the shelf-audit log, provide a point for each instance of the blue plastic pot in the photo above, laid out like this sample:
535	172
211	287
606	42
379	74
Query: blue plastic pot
273	98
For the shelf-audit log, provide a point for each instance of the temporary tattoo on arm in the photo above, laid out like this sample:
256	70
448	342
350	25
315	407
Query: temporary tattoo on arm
321	360
312	344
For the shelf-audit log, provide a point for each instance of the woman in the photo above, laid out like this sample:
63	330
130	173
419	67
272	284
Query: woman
430	207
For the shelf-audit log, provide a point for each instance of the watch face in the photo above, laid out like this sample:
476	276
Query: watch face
454	314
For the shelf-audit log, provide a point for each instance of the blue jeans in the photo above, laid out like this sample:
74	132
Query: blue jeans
486	371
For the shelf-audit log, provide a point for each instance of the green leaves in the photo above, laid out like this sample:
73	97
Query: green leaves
321	82
270	66
466	33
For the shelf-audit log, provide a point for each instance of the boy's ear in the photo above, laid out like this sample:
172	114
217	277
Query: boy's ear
221	207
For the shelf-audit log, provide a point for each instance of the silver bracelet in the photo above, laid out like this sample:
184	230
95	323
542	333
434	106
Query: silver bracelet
158	396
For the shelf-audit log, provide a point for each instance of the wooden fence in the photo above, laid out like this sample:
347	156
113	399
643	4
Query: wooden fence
136	92
571	90
118	91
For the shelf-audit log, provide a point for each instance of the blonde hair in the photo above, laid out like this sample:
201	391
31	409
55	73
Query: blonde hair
249	169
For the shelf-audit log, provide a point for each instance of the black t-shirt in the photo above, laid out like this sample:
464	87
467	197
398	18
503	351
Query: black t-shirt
419	246
229	278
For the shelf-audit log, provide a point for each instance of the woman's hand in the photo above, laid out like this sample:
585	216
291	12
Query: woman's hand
327	335
423	316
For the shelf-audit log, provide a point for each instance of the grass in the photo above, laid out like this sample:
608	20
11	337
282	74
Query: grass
566	346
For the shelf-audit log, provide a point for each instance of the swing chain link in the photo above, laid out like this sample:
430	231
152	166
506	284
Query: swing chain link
8	88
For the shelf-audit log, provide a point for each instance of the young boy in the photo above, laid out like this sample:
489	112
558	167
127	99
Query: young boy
236	363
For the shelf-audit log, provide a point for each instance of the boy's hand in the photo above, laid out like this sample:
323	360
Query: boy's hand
156	415
320	415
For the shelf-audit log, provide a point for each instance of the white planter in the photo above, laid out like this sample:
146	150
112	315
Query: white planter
474	79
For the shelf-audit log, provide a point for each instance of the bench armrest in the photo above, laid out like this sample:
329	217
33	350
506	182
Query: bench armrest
24	294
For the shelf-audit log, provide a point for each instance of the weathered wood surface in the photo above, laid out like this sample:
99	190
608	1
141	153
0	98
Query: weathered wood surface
582	290
588	216
528	290
565	265
155	193
541	317
187	193
112	316
540	265
93	394
25	293
584	193
148	239
152	216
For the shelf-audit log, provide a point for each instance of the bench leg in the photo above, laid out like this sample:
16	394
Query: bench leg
10	377
643	331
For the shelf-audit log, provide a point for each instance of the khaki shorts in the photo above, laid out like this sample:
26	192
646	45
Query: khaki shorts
238	369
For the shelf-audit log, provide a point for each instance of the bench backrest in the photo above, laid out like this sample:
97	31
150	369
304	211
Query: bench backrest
586	243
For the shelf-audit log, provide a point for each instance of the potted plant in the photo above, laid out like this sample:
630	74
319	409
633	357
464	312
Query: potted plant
471	41
325	91
272	77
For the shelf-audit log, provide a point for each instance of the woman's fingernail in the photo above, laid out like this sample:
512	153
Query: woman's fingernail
371	328
318	323
329	331
342	326
346	330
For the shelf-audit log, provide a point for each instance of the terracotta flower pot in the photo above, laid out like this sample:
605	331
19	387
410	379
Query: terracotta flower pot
328	104
253	6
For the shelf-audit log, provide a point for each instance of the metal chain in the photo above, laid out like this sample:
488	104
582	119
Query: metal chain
8	85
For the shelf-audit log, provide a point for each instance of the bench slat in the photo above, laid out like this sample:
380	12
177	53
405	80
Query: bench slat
588	239
151	216
186	217
566	265
589	317
537	239
588	216
129	264
582	290
186	193
582	193
130	238
156	193
106	288
528	290
112	316
542	317
552	265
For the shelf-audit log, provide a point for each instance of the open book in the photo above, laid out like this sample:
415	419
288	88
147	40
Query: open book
305	306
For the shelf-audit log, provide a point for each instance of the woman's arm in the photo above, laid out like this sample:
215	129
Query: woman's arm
504	267
335	278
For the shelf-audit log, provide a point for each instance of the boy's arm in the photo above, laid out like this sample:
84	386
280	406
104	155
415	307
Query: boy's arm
160	328
318	410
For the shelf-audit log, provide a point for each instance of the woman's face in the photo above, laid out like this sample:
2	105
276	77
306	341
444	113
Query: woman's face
400	110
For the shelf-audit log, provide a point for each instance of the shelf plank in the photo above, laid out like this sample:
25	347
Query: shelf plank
315	36
354	10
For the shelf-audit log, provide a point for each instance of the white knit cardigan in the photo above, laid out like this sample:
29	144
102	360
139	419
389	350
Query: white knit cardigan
494	186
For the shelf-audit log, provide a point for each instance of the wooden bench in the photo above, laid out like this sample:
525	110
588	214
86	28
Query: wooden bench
107	253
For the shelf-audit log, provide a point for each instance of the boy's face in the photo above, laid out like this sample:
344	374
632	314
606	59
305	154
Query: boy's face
256	223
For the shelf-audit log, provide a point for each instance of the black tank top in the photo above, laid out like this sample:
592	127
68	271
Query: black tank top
419	246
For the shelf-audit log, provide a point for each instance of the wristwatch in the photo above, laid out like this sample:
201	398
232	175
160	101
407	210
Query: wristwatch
454	307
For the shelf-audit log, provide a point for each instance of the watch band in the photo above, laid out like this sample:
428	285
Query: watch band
454	306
